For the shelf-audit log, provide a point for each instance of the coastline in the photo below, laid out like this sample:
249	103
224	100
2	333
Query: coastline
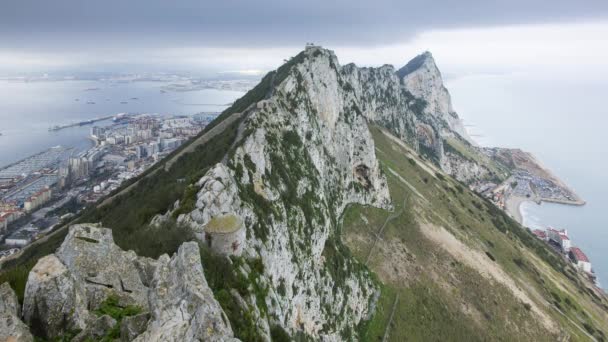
513	205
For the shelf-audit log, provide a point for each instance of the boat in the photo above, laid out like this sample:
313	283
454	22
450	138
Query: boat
123	102
90	102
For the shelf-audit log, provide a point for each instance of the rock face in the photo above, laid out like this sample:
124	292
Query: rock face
88	268
54	301
11	327
305	154
91	255
183	306
133	326
9	302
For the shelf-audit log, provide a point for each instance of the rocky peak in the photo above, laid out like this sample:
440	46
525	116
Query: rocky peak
422	78
423	60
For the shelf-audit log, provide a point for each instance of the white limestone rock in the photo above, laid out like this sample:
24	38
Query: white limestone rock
91	255
55	302
8	300
423	79
182	305
11	327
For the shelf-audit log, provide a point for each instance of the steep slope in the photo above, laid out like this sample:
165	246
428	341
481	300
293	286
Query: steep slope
305	153
454	267
316	155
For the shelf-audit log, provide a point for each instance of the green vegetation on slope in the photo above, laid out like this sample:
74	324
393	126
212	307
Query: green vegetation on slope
443	298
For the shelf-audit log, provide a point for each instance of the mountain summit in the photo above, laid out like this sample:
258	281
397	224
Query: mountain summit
423	79
329	203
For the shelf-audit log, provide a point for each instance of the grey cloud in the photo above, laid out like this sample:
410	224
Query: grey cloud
31	24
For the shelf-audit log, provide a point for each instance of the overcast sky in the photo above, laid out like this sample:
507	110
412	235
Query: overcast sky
250	36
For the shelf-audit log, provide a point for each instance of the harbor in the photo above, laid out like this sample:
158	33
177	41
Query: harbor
80	123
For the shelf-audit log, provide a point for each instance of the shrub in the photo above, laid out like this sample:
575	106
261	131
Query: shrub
278	334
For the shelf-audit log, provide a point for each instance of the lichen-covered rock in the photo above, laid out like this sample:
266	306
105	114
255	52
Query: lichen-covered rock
182	305
8	300
96	329
133	326
54	301
91	255
11	327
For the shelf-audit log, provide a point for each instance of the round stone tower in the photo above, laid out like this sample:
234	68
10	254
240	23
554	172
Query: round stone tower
225	234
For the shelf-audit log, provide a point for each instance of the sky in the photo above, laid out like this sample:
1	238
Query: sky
252	37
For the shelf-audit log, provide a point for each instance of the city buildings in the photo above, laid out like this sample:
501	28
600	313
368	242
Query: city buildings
35	187
37	200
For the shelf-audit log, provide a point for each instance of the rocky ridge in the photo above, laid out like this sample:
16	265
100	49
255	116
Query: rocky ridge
271	209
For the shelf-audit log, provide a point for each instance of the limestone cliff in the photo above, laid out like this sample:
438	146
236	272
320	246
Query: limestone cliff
304	154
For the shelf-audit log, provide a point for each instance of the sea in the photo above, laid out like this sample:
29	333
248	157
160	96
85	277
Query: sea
563	122
29	109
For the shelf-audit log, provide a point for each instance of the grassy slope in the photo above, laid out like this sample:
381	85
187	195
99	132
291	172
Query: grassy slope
441	298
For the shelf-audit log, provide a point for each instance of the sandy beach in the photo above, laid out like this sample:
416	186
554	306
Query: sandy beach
513	206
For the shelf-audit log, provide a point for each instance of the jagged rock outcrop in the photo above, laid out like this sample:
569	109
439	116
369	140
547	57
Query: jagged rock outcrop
183	307
11	327
91	255
64	289
54	301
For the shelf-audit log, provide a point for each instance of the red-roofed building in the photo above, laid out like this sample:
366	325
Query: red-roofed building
580	259
540	234
560	237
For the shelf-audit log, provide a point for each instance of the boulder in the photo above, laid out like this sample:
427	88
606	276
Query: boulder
183	306
11	327
54	302
90	253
